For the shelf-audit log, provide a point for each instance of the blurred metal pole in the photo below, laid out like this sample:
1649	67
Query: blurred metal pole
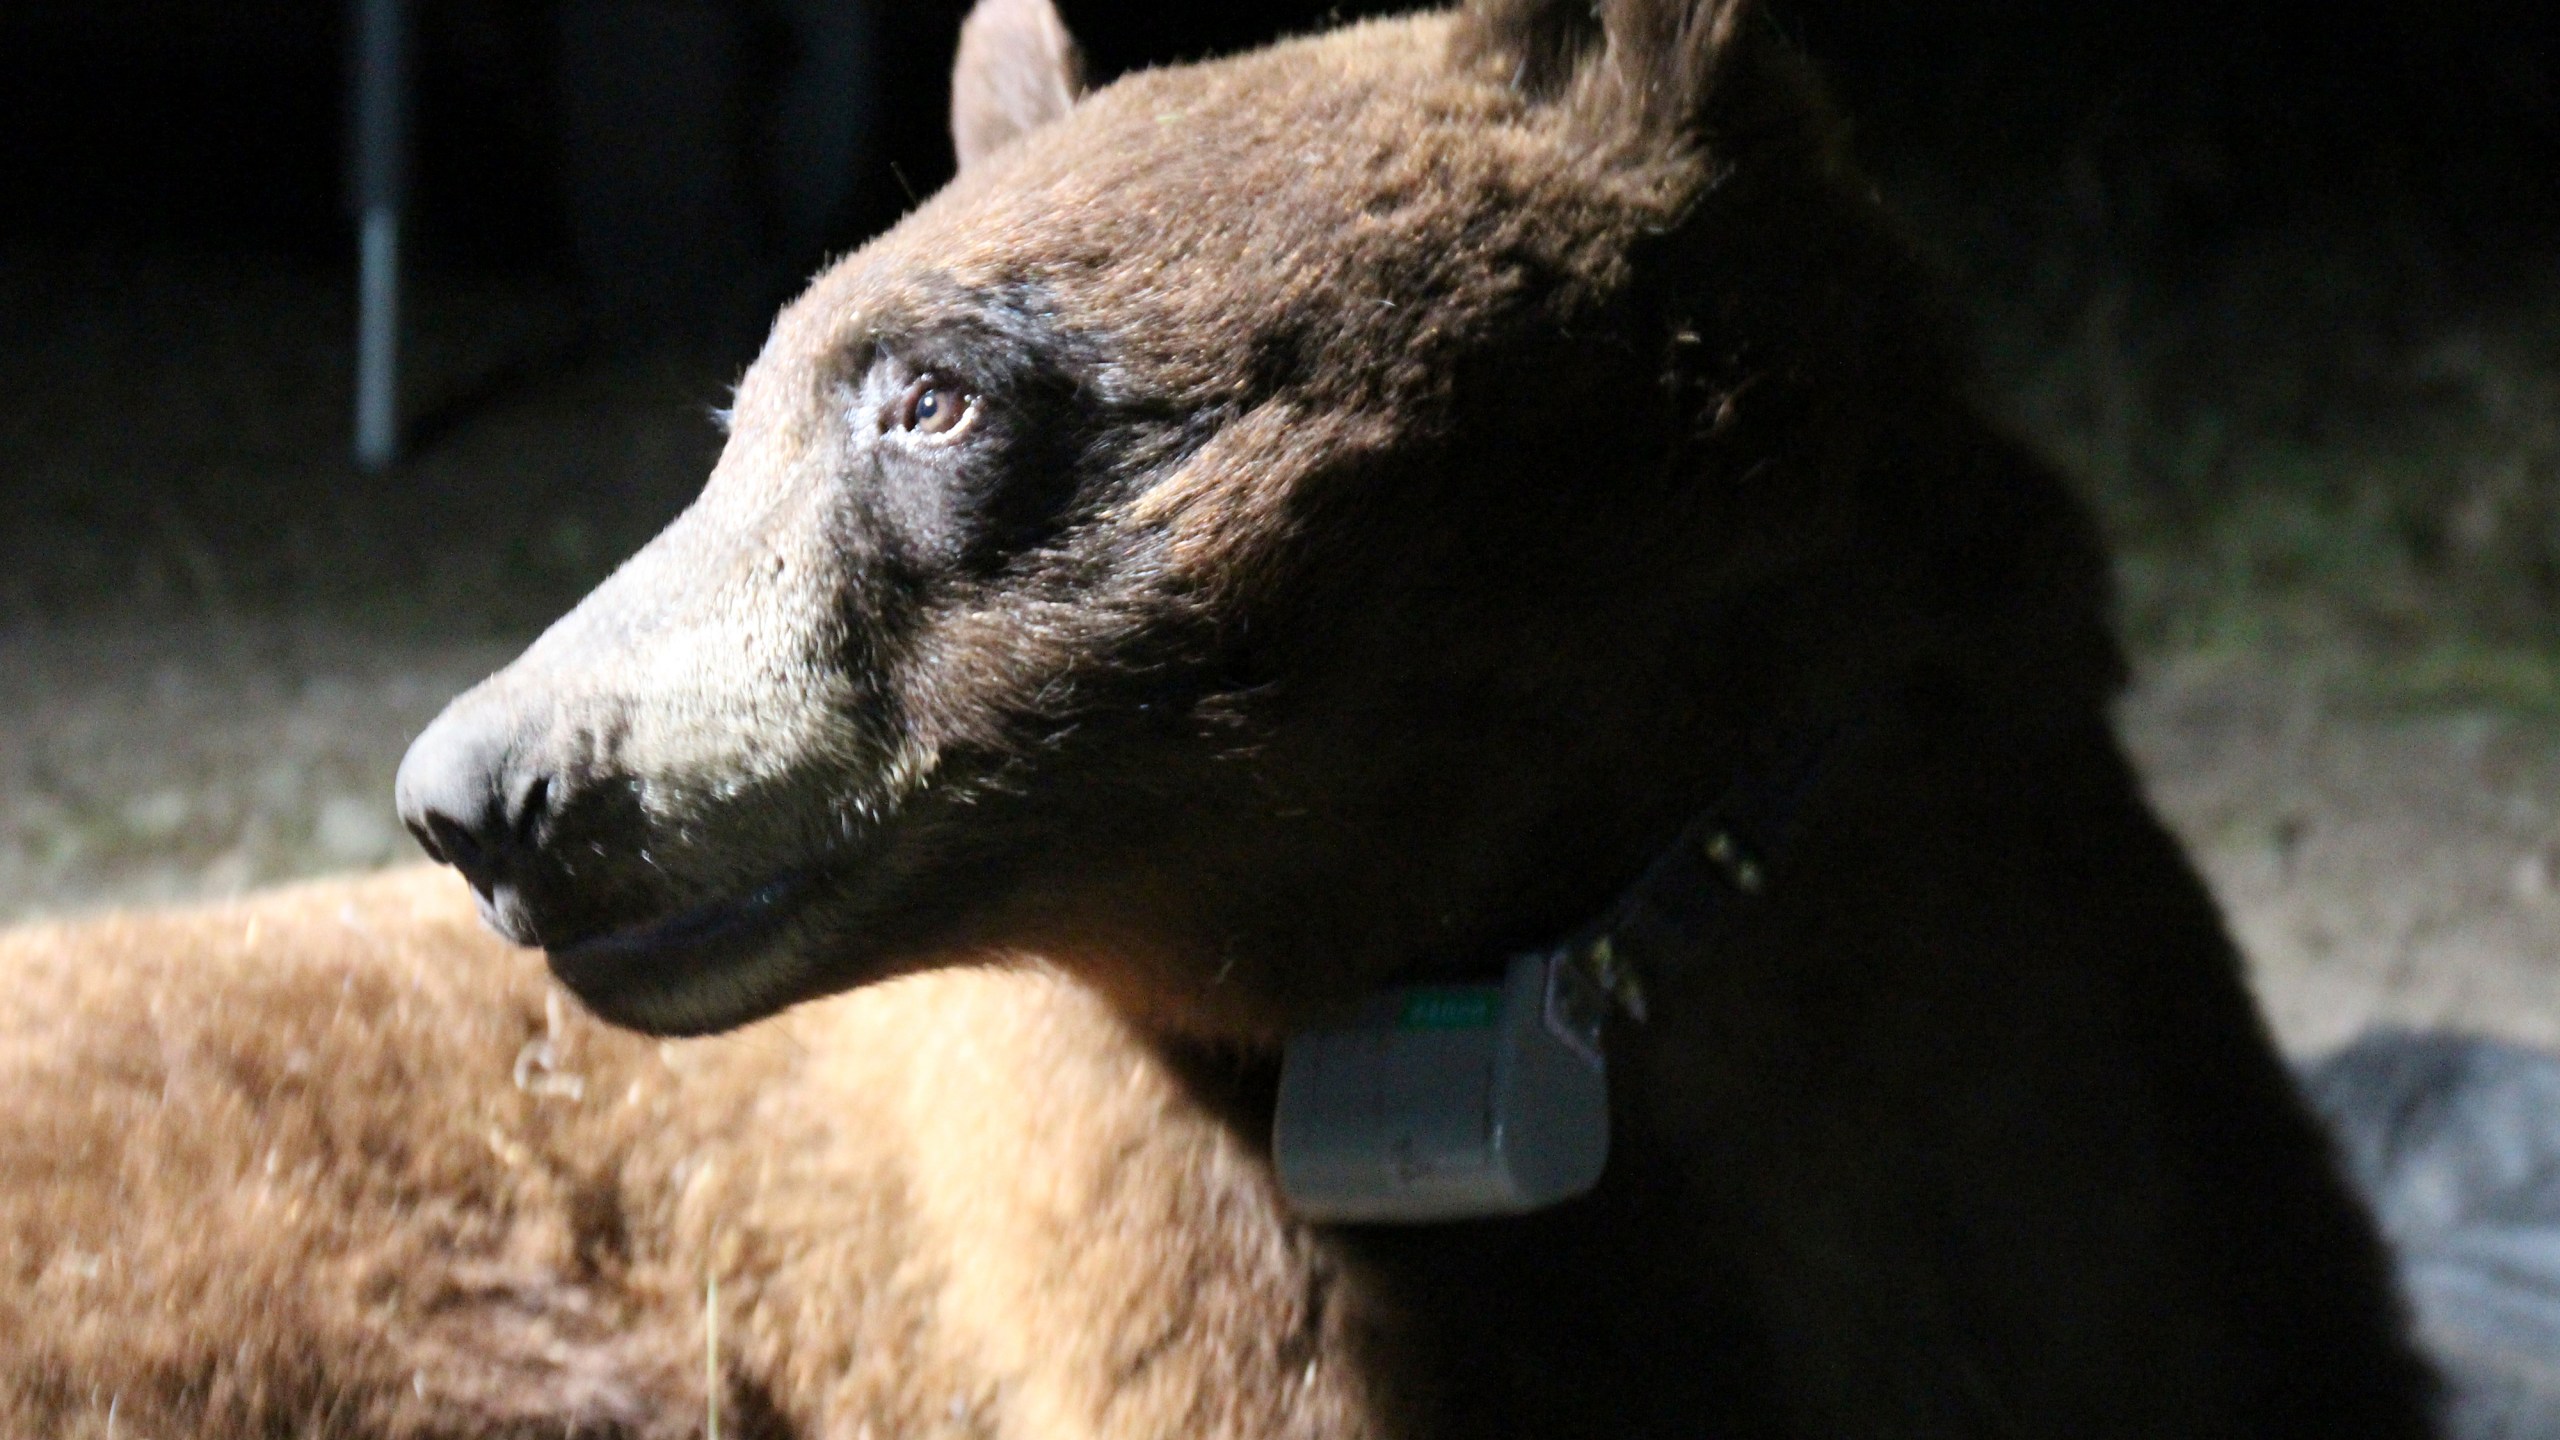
380	154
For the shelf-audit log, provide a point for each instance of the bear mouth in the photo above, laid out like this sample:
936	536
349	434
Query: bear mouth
714	966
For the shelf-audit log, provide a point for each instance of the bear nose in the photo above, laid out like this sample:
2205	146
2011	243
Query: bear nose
469	796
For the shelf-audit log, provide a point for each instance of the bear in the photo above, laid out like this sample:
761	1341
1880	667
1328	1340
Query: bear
1482	484
333	1161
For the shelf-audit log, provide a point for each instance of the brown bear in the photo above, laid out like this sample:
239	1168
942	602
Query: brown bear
1469	486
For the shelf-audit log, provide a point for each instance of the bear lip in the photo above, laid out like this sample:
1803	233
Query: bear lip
699	969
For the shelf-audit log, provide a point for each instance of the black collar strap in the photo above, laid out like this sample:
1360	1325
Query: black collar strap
1721	859
1445	1103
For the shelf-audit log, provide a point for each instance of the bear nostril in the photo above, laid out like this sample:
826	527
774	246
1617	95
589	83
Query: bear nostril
533	812
453	844
477	800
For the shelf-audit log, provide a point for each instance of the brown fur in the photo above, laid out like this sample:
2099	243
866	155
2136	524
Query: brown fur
1408	473
332	1162
1018	70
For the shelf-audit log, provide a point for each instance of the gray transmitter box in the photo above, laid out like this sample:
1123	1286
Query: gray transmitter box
1448	1102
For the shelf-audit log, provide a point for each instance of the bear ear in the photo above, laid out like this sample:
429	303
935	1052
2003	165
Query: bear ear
1630	69
1018	70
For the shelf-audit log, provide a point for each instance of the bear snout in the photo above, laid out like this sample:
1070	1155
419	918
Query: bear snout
476	798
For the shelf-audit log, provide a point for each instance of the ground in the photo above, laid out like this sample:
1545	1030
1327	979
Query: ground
2378	866
2338	503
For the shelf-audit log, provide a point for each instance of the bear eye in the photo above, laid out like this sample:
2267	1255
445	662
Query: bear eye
934	405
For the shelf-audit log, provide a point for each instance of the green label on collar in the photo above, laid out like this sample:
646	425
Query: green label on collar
1471	1007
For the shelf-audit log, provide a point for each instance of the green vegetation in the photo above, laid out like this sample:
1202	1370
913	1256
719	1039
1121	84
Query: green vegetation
2326	449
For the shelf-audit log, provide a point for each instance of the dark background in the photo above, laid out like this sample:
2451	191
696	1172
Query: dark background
220	123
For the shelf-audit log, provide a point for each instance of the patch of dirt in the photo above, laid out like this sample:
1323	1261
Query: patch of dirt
2378	867
146	762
